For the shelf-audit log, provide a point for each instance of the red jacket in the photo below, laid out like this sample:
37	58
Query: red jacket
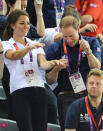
93	8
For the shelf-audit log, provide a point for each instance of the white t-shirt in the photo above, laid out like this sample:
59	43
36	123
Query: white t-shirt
16	69
48	37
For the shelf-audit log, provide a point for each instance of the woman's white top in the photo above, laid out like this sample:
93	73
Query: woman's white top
16	69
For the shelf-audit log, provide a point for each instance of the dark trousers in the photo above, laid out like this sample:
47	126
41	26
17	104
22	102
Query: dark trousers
52	106
52	100
29	107
64	101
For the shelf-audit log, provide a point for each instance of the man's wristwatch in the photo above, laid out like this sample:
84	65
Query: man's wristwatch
89	53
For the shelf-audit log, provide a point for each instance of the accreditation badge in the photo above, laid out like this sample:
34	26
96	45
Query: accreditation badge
30	75
77	82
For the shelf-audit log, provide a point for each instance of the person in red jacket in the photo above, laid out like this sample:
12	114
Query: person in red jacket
91	12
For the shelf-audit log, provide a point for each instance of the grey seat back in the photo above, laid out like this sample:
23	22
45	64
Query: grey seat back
8	125
53	127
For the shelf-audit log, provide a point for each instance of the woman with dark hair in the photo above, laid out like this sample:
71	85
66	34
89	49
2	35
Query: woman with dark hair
34	32
22	57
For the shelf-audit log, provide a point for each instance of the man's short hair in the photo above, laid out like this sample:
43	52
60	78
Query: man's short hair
69	21
95	72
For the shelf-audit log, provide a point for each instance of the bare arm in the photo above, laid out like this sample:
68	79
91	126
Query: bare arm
58	37
70	129
86	19
18	54
40	21
1	60
46	65
92	60
52	76
17	5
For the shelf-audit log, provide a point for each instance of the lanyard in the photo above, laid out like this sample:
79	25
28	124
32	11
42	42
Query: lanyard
30	54
60	3
91	118
66	55
1	5
85	4
82	6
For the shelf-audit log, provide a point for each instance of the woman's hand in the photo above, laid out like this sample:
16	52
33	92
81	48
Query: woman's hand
46	65
38	7
36	45
60	64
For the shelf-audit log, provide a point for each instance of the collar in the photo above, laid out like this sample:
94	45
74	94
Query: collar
12	41
93	108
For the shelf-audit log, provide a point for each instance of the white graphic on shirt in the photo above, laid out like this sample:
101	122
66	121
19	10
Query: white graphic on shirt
84	118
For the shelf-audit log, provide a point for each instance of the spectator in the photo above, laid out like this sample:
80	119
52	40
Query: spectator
86	113
70	47
52	101
1	60
3	11
91	12
49	12
22	57
33	32
54	35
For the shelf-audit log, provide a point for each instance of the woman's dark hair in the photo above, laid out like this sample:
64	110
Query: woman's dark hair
12	19
11	2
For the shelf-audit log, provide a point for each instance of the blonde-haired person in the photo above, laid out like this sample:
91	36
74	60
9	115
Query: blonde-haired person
1	60
85	114
82	54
